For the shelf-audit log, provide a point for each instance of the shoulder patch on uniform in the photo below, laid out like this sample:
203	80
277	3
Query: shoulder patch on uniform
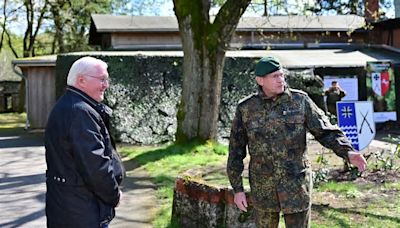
243	100
298	91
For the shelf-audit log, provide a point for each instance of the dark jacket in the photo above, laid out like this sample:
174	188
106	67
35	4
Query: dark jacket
83	168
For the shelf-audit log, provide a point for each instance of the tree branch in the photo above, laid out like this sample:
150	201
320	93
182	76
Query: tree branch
227	19
11	45
3	25
39	23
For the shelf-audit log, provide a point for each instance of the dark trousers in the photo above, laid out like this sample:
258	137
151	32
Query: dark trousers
271	219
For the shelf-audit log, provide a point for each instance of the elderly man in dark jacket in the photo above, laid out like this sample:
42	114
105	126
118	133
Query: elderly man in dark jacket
84	170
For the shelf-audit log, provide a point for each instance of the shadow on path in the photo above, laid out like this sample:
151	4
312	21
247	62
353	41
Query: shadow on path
22	185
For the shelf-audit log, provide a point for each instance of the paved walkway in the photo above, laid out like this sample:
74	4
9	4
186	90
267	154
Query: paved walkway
22	186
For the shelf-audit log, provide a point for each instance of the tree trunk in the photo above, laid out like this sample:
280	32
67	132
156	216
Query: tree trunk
55	8
204	46
201	90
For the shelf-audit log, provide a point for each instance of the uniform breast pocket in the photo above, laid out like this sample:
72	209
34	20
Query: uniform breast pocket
294	122
261	167
256	134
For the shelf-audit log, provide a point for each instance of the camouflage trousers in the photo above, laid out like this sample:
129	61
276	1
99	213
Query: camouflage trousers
271	219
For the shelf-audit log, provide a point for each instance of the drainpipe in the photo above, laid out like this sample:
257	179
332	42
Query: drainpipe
27	124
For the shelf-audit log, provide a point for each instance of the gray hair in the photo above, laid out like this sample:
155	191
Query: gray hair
84	66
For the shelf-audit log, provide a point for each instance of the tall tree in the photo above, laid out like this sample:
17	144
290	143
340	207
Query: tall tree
70	22
34	12
66	22
204	44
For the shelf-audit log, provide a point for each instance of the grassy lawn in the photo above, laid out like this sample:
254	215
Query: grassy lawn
164	163
364	202
12	120
356	204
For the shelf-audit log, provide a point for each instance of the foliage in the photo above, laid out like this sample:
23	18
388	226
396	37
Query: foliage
306	80
139	7
385	160
321	7
12	120
386	102
35	13
67	22
51	26
342	7
320	176
70	22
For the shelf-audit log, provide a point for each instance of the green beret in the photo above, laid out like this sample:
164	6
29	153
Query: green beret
266	66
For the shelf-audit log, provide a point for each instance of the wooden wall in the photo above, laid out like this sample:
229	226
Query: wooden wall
41	94
247	39
143	40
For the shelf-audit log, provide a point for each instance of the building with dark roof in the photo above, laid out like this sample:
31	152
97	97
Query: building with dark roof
329	45
162	33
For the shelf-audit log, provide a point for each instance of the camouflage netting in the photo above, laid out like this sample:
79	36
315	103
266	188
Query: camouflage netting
306	80
145	92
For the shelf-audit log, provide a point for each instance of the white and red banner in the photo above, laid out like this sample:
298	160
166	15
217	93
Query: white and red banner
380	82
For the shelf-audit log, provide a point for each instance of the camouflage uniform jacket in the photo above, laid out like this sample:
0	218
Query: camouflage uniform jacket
274	133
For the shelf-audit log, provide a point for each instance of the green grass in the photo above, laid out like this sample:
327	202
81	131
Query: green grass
348	189
354	217
335	204
393	186
165	163
357	205
12	120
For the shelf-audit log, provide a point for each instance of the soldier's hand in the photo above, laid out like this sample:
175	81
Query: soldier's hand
357	160
240	201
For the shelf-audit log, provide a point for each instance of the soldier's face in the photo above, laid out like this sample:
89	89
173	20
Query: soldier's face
273	83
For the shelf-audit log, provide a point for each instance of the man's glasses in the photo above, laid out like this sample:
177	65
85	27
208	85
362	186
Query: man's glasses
103	80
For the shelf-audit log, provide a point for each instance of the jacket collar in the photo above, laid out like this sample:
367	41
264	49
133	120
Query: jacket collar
285	96
102	109
82	94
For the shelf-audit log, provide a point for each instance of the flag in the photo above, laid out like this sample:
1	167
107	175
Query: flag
356	121
380	82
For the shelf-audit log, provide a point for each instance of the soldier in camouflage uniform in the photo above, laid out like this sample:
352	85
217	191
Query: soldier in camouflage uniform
333	95
272	126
